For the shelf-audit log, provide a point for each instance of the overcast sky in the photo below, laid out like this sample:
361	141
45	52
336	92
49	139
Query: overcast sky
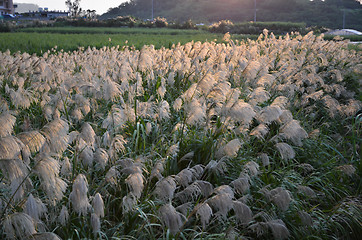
101	6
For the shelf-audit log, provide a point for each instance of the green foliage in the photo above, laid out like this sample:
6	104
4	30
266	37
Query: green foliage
40	40
314	13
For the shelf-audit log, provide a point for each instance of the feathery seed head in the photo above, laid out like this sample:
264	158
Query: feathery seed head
19	226
265	159
96	223
293	132
285	150
231	148
204	211
34	140
34	207
63	216
135	183
165	188
7	122
78	196
101	158
242	212
241	185
98	205
278	228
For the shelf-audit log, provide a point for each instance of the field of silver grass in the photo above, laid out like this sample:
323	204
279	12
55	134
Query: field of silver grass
253	140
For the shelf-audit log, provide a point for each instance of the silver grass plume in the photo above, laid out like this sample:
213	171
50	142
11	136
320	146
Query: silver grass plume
12	148
305	218
204	211
165	189
129	202
242	112
19	226
306	191
34	207
281	102
21	98
278	228
223	203
206	188
285	117
111	90
269	114
85	152
184	177
7	122
231	148
115	119
98	205
101	158
15	170
285	150
117	146
251	168
217	167
185	209
259	95
242	212
264	159
224	189
55	133
347	169
260	131
293	132
190	193
241	185
135	184
206	83
171	218
78	196
177	104
47	168
88	134
96	223
266	80
164	110
45	236
34	140
66	168
157	170
63	216
112	176
333	106
196	112
197	170
280	197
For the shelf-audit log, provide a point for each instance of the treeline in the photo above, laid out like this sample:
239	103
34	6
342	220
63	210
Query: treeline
328	13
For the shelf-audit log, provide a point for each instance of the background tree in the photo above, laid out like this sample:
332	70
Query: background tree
74	9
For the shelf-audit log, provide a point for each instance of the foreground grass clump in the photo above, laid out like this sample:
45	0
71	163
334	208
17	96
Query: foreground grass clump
200	141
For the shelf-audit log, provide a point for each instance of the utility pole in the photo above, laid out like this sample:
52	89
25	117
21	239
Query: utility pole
344	18
254	10
152	11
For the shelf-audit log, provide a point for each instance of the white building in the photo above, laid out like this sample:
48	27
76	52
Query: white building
6	7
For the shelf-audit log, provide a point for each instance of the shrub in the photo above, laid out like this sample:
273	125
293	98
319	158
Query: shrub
160	22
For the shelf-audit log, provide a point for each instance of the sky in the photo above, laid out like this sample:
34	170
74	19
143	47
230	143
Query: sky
101	6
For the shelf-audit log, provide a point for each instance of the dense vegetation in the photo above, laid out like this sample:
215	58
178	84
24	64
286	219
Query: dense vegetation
241	140
40	40
326	13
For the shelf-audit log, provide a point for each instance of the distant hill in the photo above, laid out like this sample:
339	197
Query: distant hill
26	7
327	13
